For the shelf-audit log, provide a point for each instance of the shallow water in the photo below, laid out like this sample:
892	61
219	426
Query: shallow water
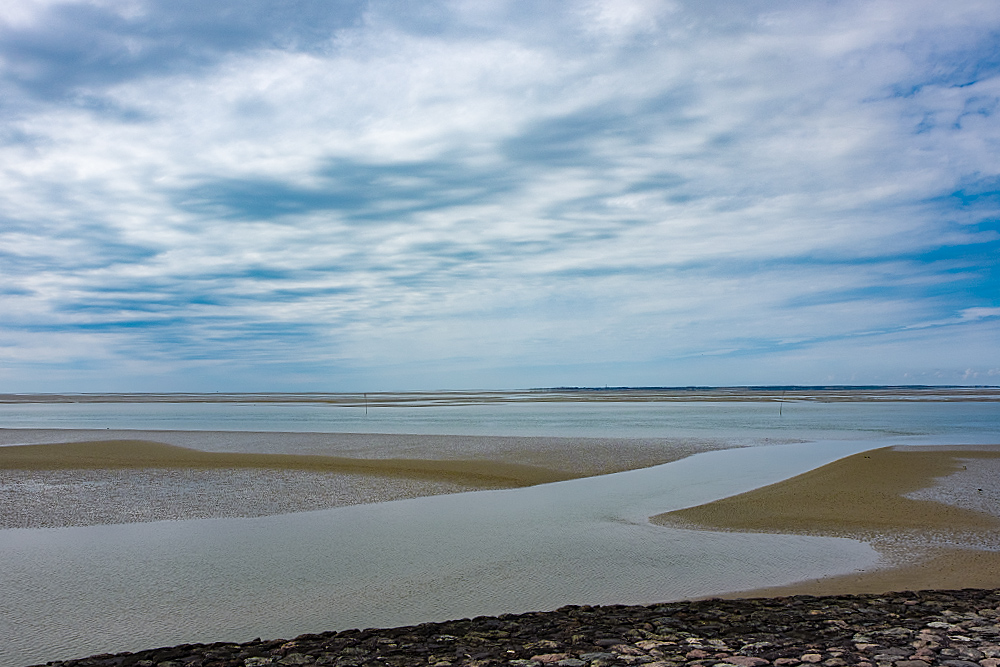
738	421
69	592
975	487
76	591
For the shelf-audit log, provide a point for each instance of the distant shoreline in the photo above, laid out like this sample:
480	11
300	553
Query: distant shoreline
774	393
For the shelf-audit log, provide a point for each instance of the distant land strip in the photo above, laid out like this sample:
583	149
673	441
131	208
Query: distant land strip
776	393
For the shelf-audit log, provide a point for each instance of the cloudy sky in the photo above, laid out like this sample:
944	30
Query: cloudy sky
382	195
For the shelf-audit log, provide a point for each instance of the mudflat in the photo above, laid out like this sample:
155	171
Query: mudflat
880	497
123	481
55	478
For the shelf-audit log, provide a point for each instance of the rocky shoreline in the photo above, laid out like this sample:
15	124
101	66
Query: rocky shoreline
908	629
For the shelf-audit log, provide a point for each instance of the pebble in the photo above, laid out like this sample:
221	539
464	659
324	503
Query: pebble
909	629
746	661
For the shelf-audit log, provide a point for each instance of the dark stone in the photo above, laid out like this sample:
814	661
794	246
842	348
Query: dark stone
766	629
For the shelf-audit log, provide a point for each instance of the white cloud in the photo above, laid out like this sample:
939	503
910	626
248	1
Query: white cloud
617	183
979	313
626	18
25	13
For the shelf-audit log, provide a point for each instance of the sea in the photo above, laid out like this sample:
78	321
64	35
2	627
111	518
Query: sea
77	591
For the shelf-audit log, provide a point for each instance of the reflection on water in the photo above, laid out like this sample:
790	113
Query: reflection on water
75	591
732	420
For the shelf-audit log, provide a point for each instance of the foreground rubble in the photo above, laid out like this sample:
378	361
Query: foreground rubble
910	629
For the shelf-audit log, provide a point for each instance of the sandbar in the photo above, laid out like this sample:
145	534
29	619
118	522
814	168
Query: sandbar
572	456
877	496
124	481
79	477
141	454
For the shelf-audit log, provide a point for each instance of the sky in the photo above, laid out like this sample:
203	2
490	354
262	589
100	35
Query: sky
351	195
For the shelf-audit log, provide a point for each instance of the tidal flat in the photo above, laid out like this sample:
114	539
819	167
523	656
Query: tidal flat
53	478
319	551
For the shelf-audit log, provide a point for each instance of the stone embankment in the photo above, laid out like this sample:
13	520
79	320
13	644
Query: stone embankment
911	629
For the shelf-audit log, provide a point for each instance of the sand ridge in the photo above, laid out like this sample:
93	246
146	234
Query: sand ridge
858	494
141	454
575	456
861	496
78	477
864	497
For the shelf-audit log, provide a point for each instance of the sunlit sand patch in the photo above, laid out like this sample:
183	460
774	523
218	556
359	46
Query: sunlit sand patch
575	456
137	454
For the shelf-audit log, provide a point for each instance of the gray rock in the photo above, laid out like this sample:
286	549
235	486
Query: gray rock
755	647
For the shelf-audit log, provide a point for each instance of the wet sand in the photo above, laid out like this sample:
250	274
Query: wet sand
141	454
891	498
574	456
932	512
56	478
61	498
123	481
